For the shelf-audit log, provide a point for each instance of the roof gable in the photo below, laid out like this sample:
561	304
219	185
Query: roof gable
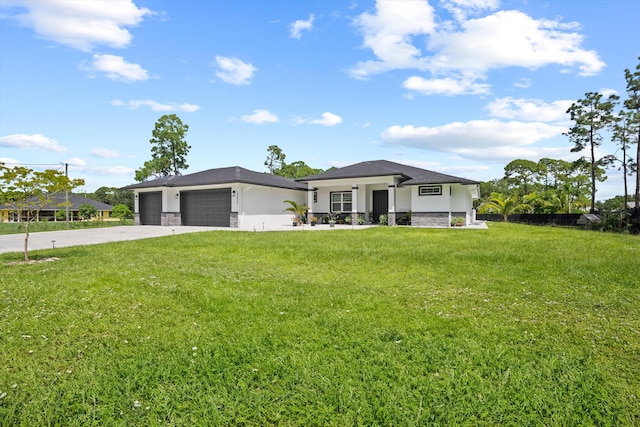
229	175
409	175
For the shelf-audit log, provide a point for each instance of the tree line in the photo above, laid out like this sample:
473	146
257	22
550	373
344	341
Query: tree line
558	186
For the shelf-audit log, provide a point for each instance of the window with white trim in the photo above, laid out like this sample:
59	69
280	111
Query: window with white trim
430	190
341	202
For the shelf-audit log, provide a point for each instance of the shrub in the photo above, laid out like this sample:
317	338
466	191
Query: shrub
121	212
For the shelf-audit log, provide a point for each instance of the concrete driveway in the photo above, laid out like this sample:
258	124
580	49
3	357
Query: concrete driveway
90	236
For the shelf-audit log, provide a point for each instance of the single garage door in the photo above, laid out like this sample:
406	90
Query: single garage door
150	206
206	207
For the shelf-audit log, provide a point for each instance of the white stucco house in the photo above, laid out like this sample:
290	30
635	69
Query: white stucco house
239	198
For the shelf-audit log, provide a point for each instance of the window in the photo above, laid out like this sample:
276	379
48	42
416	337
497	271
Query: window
341	202
430	190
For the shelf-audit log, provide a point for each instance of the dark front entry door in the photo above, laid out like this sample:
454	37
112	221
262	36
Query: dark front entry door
380	204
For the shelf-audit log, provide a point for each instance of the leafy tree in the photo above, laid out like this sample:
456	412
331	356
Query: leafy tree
121	212
504	205
122	197
550	170
87	211
591	115
113	196
633	104
296	170
169	149
151	169
102	194
61	215
623	128
489	187
275	159
26	192
521	172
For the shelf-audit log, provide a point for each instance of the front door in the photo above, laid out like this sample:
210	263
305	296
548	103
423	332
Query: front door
380	204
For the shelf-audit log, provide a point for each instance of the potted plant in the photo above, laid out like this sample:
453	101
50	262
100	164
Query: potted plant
458	221
298	211
331	220
347	220
360	219
383	219
313	220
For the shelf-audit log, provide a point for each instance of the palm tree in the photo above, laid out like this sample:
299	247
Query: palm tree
298	210
504	206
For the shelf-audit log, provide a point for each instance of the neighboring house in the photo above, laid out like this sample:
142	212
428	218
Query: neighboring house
57	202
239	198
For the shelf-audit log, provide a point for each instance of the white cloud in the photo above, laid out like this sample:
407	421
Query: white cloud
31	142
388	33
260	117
446	86
530	110
477	139
511	38
106	153
458	52
77	162
301	25
156	106
116	68
106	170
608	92
79	24
327	119
523	83
9	162
460	9
234	71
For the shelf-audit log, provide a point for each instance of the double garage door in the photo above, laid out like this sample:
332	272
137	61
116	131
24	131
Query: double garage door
201	208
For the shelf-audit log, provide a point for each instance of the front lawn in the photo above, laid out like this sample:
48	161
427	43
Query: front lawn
514	325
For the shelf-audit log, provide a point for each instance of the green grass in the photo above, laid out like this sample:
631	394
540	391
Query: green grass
513	326
34	227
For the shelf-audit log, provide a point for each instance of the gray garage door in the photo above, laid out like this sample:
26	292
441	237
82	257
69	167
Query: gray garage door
150	205
206	207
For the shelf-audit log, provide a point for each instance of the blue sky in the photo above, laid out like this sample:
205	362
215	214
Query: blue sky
457	86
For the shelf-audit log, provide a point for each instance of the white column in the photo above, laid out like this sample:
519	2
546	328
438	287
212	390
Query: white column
391	217
354	204
310	192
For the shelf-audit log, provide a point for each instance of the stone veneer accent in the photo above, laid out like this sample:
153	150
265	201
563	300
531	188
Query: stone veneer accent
136	219
233	223
430	219
391	218
171	219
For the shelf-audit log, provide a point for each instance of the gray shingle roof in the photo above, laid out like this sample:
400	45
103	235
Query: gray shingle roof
55	200
410	175
228	175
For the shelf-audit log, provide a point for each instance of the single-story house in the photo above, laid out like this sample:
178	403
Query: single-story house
239	198
57	202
